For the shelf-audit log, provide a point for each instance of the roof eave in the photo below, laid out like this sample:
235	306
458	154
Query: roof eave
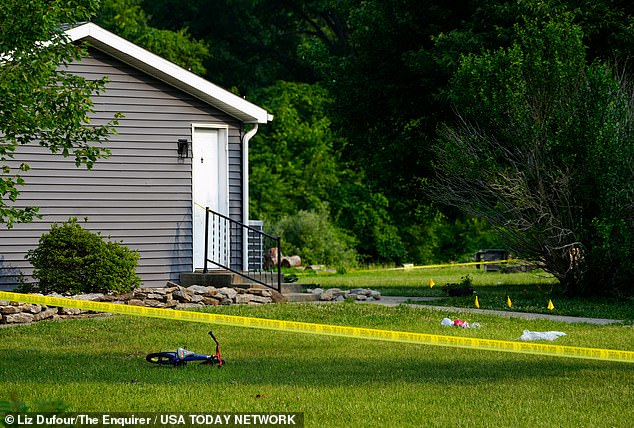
169	72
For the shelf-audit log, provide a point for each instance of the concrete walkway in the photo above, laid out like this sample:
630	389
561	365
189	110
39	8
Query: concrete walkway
410	301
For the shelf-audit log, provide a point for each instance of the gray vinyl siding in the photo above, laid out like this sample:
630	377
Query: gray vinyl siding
141	195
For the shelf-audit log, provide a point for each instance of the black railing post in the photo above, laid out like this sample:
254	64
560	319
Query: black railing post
266	274
225	244
205	270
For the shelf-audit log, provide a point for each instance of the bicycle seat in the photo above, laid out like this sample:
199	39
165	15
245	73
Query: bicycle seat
182	353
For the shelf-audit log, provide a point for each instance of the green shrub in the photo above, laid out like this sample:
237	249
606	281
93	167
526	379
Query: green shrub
462	288
72	259
311	235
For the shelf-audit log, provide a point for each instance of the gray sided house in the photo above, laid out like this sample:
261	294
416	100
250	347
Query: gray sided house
147	194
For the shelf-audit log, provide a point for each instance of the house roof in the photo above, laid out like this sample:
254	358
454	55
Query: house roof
168	72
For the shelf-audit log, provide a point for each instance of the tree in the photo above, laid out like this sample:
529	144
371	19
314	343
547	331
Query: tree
293	156
40	100
543	149
295	168
127	19
386	65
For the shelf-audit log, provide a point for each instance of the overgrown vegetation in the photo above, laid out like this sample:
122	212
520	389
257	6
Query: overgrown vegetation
72	259
378	73
462	288
373	81
311	235
358	90
42	103
544	150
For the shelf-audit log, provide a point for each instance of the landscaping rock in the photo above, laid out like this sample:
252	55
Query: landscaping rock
152	303
199	289
197	298
211	292
91	296
210	301
243	299
140	293
6	310
182	295
259	292
161	297
277	297
124	297
170	303
22	317
45	314
32	308
337	295
327	295
260	299
227	292
171	297
69	311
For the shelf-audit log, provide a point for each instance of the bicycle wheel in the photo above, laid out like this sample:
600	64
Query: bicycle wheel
162	358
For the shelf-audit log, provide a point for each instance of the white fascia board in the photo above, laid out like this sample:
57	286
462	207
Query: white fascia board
169	72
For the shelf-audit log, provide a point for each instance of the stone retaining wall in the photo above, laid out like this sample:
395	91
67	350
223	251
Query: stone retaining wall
338	295
171	297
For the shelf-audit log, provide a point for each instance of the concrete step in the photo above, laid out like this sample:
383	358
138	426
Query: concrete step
301	297
221	278
292	287
216	279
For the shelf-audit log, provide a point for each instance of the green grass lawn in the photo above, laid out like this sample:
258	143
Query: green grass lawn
98	365
529	291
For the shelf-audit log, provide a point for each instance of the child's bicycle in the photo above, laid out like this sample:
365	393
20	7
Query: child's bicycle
182	356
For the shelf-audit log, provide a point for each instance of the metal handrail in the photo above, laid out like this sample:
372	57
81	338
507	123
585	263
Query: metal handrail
250	275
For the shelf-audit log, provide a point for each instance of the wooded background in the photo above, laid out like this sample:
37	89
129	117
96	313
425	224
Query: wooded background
378	104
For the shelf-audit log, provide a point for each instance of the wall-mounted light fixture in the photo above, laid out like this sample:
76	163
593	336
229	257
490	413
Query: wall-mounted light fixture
183	148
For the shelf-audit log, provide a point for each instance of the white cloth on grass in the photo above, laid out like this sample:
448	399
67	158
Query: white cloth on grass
541	335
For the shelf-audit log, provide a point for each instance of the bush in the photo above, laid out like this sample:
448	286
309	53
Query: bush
311	235
72	259
462	288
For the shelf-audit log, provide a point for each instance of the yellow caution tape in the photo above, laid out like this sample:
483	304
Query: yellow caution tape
443	265
331	330
411	267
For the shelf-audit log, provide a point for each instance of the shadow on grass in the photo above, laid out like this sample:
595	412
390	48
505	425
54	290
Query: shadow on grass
534	298
420	365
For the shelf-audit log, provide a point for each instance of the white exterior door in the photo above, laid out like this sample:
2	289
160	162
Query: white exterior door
210	188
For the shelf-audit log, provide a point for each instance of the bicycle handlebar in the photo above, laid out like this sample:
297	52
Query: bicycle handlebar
220	362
